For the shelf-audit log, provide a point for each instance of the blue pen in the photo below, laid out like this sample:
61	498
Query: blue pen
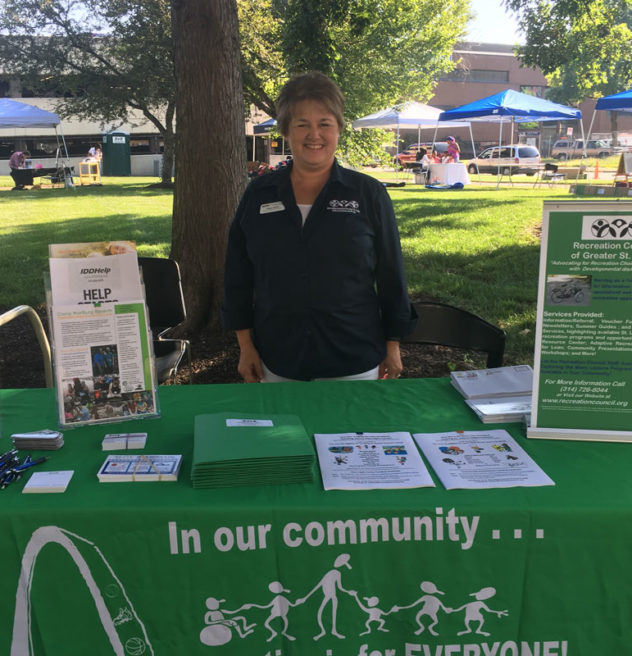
8	477
30	463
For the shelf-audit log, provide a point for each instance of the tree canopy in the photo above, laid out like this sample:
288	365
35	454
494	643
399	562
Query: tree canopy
379	51
584	47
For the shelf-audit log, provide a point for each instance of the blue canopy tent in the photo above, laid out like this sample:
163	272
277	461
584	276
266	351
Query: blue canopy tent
511	106
14	114
408	115
617	102
264	128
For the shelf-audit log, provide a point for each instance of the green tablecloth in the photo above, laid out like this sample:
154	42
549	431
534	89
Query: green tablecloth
161	568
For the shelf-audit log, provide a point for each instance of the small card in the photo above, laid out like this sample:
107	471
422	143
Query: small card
123	441
48	482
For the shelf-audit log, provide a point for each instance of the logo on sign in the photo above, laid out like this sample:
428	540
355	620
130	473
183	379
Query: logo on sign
607	227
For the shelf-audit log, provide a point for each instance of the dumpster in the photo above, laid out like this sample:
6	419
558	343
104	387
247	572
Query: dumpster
116	153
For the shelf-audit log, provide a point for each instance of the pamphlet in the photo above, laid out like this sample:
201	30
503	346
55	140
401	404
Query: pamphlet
101	334
499	381
370	461
480	459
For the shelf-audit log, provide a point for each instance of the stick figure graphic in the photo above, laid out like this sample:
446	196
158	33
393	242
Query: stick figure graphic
279	607
330	582
375	614
431	607
473	610
218	628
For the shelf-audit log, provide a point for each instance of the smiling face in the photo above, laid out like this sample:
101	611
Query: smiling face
313	135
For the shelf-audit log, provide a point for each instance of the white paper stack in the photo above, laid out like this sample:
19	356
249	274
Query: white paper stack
126	468
43	440
48	482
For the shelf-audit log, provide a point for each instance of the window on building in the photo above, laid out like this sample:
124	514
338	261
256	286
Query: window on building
477	75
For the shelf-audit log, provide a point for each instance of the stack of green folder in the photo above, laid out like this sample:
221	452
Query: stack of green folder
232	449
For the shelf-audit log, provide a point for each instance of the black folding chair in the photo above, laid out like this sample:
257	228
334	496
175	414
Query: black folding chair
548	173
165	303
446	325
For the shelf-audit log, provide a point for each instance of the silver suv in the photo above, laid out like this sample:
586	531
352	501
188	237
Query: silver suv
507	160
564	149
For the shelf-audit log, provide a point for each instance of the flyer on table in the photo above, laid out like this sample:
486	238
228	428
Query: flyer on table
369	461
480	459
583	356
101	334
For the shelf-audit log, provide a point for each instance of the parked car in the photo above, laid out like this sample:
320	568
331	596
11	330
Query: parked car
509	159
564	149
408	158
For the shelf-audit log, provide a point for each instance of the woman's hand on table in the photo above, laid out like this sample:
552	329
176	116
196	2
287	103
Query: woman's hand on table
391	366
249	367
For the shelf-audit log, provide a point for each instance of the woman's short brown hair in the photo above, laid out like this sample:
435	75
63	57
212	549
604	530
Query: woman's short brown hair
309	86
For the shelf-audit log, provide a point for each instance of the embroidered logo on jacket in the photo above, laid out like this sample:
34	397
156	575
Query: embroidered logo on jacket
344	206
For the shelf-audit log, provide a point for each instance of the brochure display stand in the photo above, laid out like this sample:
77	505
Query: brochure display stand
101	336
583	352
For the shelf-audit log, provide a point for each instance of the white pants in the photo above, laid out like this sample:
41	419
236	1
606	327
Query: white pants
269	377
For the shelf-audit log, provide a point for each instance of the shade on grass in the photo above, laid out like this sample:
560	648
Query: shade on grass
477	248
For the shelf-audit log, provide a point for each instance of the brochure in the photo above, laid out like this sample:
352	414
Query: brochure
496	382
101	335
479	460
370	461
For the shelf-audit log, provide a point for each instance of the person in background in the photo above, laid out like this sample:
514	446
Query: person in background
314	281
454	152
18	161
422	159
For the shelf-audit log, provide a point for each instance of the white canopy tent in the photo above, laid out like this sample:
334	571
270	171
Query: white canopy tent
408	116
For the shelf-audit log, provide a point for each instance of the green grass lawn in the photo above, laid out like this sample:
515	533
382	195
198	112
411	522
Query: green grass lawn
477	248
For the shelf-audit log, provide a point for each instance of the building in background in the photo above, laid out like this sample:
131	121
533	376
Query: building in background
485	69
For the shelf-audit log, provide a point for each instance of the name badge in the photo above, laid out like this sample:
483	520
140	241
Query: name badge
267	208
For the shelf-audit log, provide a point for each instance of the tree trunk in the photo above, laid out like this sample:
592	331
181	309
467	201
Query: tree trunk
614	128
210	172
168	154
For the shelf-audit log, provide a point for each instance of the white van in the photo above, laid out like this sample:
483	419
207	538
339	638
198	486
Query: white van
508	160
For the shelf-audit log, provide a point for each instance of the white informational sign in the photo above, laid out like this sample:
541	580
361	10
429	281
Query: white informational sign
480	459
369	461
101	334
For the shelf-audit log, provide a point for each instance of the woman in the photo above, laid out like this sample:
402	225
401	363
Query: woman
314	281
454	152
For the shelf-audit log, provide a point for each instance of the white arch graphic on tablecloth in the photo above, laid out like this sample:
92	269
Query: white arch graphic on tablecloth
22	644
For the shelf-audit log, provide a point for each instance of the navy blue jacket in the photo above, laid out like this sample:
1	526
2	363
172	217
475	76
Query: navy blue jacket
321	298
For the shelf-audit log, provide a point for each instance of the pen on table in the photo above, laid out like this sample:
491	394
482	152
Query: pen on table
9	455
7	477
30	463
